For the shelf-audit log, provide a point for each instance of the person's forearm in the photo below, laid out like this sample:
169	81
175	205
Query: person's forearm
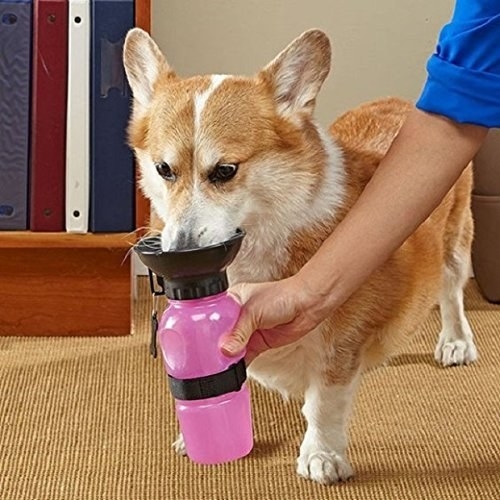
424	161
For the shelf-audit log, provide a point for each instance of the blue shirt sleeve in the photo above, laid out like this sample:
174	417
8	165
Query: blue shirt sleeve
464	72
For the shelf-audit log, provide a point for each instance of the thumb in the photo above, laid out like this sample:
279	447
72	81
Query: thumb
236	341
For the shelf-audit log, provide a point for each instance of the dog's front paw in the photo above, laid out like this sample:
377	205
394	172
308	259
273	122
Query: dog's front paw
325	467
179	446
450	352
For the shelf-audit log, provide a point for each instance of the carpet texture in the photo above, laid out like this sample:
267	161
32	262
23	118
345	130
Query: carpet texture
92	419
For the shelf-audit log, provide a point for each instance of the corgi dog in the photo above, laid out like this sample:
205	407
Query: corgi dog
219	152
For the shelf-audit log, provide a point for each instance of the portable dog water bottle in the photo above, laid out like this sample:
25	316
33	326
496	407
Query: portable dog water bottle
212	400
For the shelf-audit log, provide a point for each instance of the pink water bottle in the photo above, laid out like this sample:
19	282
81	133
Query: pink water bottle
212	400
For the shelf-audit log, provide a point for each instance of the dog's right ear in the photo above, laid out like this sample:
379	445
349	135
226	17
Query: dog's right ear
144	63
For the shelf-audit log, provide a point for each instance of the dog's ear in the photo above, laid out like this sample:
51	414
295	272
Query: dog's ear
297	73
144	63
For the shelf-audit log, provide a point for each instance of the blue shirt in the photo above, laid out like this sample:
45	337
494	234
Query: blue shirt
464	72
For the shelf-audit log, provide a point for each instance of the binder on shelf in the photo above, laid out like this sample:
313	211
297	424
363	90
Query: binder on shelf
15	72
48	131
77	122
112	194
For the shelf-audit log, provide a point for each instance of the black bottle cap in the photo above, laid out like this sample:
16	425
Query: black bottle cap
192	273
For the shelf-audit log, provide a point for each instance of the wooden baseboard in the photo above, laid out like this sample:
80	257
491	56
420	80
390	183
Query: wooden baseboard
65	291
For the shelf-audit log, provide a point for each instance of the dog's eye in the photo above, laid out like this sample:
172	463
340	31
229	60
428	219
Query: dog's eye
223	172
165	171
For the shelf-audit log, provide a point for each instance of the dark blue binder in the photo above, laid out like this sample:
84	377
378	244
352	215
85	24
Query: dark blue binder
112	191
15	63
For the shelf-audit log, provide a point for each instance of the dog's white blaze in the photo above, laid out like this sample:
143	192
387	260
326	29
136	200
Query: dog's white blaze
201	99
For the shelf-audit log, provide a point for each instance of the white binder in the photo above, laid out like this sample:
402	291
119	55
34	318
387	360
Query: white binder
77	126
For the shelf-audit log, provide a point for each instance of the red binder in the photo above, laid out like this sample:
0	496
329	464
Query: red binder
48	133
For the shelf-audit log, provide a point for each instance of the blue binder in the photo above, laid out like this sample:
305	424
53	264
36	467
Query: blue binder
15	63
112	191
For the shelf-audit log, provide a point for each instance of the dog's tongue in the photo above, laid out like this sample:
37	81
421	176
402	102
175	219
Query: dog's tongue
192	273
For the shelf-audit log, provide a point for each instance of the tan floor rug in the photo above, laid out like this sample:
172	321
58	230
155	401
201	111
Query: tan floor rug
92	419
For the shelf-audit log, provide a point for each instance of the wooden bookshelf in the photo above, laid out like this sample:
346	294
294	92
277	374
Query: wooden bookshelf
31	240
61	284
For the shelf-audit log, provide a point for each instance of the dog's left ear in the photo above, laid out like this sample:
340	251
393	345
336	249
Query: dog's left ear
297	73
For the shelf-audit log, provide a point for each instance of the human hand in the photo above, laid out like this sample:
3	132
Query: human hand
274	314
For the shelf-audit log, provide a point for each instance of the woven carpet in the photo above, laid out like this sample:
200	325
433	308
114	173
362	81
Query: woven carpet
92	419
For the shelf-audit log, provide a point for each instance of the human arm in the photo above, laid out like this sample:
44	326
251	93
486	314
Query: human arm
422	164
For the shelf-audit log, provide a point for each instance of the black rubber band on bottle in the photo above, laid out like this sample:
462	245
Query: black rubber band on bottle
210	386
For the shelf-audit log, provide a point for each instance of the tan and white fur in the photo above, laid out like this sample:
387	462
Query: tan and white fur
245	152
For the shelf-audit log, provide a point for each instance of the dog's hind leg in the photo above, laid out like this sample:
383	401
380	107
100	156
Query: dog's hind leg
456	341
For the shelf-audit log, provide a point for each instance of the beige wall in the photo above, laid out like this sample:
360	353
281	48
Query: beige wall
380	46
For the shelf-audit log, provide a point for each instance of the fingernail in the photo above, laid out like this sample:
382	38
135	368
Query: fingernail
231	347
